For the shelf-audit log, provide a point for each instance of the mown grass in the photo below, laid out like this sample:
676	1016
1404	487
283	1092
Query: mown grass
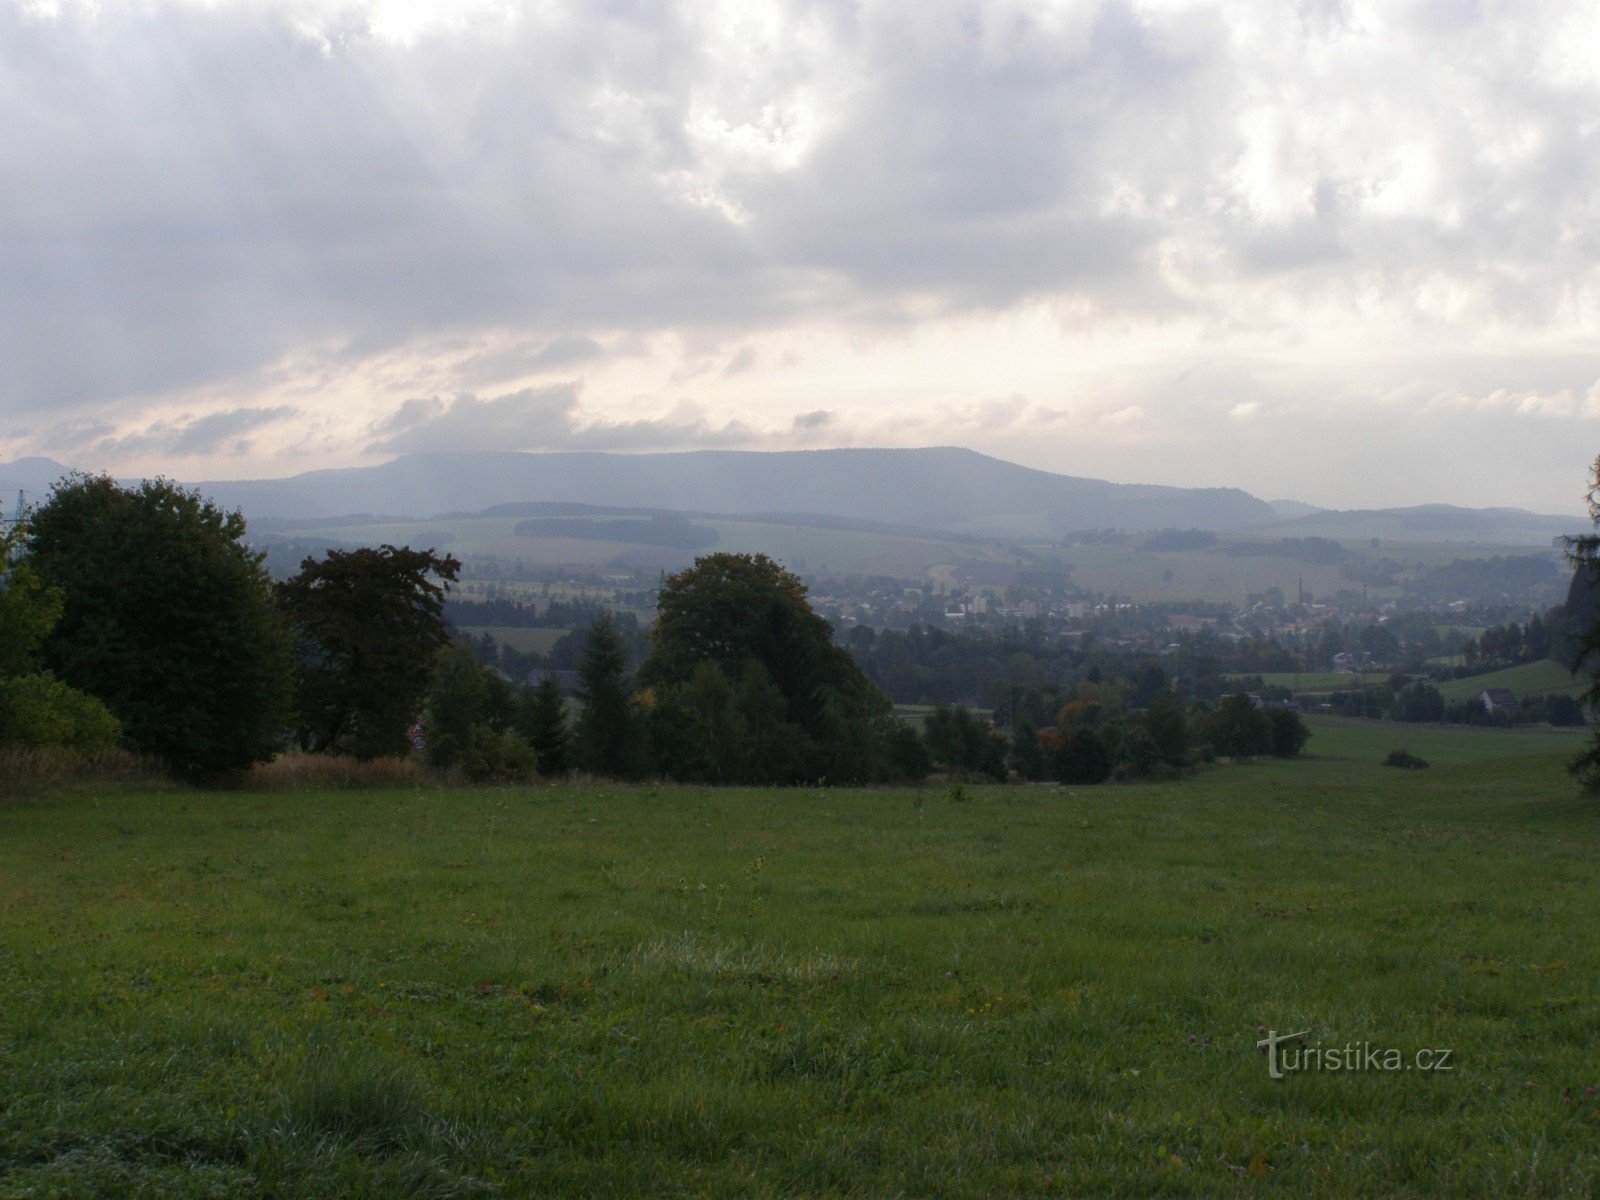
609	991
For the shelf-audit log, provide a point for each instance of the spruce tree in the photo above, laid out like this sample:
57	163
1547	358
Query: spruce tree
608	733
542	720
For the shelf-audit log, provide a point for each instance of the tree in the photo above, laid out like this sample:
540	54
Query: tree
1418	701
809	712
1288	734
608	736
469	713
728	608
1236	728
28	608
963	743
1083	756
542	721
1585	653
167	618
368	626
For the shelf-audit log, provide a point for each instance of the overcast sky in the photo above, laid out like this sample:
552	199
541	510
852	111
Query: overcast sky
1342	251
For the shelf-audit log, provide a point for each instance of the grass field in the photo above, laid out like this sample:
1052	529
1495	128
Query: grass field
1529	679
607	991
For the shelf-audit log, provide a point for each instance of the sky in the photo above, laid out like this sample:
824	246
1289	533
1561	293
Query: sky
1338	251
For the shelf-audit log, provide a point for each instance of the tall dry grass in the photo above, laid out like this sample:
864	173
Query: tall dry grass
49	768
300	771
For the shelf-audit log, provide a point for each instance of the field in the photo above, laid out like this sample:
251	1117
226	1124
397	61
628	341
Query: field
803	548
1529	679
1017	991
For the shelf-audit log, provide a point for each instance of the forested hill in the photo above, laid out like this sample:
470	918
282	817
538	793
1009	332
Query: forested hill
944	488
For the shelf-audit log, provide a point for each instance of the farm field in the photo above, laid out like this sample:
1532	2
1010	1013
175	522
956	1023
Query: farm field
1528	679
801	547
620	991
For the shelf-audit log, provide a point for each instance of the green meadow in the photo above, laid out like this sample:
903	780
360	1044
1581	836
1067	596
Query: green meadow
1527	679
986	991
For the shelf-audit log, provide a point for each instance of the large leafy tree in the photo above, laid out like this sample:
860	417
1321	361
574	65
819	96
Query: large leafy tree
368	626
732	608
167	618
804	708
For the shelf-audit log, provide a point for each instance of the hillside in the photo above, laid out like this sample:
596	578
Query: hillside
944	488
1435	523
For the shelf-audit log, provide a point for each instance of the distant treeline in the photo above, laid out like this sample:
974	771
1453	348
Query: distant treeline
666	530
1315	550
557	614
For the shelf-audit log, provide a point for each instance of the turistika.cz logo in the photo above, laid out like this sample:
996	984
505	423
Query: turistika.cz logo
1288	1055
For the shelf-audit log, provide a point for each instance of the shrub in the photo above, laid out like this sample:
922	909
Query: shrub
1405	760
38	711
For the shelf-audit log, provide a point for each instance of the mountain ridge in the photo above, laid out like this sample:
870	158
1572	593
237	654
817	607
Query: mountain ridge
936	487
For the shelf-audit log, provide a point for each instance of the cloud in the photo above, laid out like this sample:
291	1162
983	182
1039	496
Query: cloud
182	437
497	366
343	205
741	363
546	418
817	418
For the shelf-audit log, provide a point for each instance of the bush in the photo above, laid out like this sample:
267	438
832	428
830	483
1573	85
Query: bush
1083	757
1289	732
39	711
1405	760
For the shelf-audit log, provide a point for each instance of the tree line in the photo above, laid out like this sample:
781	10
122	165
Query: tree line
139	617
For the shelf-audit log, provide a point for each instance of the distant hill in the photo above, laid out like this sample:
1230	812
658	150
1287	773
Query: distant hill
942	488
31	475
1435	523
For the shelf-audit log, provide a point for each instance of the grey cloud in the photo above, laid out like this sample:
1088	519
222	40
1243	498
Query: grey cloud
818	418
190	193
498	366
741	363
185	437
544	419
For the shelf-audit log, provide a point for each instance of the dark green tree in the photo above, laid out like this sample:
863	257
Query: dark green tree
542	721
368	627
1287	734
167	618
809	712
1083	756
609	737
965	744
1418	701
469	712
1236	728
1584	628
1167	719
729	608
1027	758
